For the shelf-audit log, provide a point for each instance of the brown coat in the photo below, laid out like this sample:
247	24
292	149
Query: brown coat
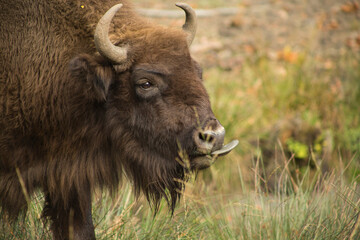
71	120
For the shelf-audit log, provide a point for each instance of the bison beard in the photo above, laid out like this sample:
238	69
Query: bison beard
83	101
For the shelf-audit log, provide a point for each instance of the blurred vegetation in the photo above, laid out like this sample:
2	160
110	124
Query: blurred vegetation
309	112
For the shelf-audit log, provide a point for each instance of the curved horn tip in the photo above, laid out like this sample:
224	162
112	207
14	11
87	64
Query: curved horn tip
184	6
190	22
102	42
114	9
117	6
179	4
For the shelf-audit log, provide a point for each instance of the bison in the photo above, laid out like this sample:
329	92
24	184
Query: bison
91	92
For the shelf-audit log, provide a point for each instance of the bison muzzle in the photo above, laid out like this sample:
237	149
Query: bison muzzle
91	92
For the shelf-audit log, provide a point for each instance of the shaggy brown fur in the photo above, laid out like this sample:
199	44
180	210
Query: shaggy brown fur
70	121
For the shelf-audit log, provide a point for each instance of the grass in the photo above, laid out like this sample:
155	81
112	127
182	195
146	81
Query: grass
330	209
271	101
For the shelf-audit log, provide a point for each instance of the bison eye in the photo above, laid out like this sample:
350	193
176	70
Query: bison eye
146	85
146	88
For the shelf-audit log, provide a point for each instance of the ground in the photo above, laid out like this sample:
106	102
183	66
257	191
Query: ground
275	28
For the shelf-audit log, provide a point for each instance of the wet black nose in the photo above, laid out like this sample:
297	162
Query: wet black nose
209	139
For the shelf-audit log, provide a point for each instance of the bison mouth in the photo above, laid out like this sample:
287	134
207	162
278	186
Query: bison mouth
202	161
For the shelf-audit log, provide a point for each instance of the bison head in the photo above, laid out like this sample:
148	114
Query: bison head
159	120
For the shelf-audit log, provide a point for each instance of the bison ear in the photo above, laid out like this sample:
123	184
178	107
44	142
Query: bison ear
96	72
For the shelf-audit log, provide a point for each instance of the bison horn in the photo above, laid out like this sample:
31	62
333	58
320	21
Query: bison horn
114	53
190	22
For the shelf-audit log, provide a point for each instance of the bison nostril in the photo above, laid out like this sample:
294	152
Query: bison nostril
206	137
209	140
201	136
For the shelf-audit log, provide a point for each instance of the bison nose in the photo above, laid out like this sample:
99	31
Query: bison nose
208	140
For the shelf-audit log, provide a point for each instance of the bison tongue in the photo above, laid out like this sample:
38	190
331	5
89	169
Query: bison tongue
207	160
225	149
